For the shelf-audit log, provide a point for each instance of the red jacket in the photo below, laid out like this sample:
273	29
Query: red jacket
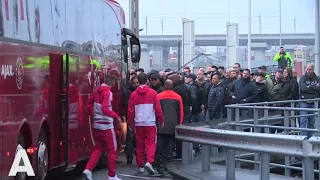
144	107
99	107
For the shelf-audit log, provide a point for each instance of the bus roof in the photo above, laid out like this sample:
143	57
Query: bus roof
118	10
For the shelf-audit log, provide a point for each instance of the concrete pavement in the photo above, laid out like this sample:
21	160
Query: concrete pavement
217	172
124	171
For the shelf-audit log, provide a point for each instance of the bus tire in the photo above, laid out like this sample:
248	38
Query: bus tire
20	145
42	166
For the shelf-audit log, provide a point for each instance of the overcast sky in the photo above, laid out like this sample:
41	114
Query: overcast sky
211	15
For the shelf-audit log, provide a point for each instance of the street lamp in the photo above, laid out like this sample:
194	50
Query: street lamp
140	30
196	57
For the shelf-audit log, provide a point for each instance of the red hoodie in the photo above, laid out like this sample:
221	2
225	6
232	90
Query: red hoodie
144	107
100	108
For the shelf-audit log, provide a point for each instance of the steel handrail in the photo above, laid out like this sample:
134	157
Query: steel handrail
266	144
276	102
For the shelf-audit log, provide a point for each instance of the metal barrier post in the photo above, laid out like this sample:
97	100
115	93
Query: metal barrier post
186	153
256	130
307	163
286	123
308	169
205	158
264	166
266	116
231	164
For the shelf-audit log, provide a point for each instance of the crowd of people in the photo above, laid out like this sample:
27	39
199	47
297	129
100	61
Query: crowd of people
158	101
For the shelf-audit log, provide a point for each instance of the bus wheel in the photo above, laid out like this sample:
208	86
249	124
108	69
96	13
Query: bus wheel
42	157
20	145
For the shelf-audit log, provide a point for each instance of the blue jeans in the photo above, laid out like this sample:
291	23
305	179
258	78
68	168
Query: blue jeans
207	116
306	122
201	117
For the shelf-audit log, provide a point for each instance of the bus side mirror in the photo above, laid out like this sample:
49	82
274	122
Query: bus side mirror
125	50
134	45
135	50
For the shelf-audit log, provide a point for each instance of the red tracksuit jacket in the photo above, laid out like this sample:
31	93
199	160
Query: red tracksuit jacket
100	108
144	107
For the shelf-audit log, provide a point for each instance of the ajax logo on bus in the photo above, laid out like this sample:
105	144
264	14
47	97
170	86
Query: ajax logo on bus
21	156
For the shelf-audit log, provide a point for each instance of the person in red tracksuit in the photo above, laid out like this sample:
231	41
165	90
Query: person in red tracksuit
99	107
143	110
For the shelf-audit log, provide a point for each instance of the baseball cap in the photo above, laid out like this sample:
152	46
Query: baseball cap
263	67
192	76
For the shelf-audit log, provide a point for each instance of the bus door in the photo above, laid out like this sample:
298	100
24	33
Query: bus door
55	108
71	109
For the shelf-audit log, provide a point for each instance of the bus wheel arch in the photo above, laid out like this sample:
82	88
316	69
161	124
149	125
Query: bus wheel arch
42	162
24	140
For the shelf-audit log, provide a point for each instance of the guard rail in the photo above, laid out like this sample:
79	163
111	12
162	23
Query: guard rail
265	144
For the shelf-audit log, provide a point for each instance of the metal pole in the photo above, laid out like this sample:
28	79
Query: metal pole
146	25
264	166
249	35
205	158
280	9
134	22
179	55
317	38
134	16
229	10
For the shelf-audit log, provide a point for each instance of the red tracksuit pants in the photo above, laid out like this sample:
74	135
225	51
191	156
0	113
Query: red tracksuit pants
146	141
104	140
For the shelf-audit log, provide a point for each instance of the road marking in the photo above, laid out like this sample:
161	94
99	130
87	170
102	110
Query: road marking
137	177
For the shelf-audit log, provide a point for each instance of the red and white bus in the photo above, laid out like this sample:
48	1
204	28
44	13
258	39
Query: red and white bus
52	54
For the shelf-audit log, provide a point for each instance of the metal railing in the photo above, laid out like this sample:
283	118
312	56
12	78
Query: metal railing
265	144
265	123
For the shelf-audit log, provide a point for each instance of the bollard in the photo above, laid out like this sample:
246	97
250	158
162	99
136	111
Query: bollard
187	154
205	158
264	167
231	164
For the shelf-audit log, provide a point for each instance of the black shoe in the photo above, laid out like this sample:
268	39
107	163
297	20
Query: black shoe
129	161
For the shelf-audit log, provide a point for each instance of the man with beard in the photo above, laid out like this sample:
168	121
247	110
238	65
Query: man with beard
130	139
243	91
155	83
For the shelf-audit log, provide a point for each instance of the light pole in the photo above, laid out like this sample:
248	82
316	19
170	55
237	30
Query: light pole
280	19
317	38
134	16
249	35
196	57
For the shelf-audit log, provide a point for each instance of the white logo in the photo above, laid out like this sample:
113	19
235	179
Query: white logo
19	73
26	167
6	70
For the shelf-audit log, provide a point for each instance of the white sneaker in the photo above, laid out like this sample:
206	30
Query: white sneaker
114	178
141	170
149	168
88	174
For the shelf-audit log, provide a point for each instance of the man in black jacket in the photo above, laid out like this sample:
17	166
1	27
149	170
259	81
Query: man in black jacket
216	97
155	83
243	91
191	82
172	109
130	139
260	86
181	89
309	89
